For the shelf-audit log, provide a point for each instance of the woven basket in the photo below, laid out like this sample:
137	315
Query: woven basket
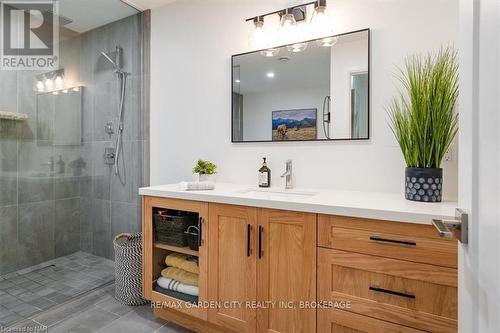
128	269
170	228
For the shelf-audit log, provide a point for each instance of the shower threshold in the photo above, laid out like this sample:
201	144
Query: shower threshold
31	291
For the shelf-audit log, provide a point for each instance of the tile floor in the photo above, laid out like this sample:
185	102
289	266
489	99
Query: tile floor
31	291
98	311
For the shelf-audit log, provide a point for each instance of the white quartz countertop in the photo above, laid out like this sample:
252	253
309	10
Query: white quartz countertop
375	205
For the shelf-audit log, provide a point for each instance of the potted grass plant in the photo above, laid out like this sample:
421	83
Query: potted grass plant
424	120
204	170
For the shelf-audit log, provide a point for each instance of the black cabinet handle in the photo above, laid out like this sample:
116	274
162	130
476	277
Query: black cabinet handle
261	229
200	228
394	241
391	292
249	230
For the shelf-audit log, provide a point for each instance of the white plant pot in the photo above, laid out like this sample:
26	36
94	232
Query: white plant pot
205	178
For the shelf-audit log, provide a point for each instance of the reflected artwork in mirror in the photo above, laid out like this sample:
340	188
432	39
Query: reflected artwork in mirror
321	92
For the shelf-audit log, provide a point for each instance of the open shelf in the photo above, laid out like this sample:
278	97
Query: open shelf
184	250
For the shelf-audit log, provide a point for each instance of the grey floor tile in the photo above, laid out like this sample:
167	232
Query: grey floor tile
9	320
172	328
88	321
38	288
135	321
109	303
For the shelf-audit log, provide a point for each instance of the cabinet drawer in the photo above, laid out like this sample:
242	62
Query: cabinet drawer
405	293
339	321
405	241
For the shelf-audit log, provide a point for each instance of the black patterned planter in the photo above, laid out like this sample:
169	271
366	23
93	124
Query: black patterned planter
424	184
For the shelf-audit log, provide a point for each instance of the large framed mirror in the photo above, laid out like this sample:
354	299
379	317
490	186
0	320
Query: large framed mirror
310	91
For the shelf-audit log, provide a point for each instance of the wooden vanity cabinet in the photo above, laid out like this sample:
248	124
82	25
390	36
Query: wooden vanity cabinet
261	267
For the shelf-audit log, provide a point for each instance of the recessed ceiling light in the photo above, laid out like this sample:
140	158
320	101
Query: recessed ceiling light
270	75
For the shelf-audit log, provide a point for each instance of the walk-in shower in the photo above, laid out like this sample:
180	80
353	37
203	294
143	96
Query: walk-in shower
60	203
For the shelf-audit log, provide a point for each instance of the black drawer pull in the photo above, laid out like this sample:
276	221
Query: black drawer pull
395	241
200	229
392	292
260	241
249	230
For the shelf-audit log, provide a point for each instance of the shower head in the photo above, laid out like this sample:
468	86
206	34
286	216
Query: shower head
117	63
108	58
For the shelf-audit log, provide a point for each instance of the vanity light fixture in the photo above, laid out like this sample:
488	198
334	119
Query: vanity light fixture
290	31
49	81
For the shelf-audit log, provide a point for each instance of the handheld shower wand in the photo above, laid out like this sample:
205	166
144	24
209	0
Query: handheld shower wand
122	76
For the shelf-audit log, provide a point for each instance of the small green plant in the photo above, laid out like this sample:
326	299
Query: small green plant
203	167
423	117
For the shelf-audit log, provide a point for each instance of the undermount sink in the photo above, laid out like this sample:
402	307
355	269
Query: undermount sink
278	194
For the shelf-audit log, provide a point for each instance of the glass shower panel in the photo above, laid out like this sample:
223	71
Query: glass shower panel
60	204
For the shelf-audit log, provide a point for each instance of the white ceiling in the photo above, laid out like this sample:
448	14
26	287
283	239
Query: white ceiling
86	15
148	4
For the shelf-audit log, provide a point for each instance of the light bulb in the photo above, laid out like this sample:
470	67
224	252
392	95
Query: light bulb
49	83
259	39
270	52
59	81
288	27
270	75
328	41
40	86
288	20
320	25
297	47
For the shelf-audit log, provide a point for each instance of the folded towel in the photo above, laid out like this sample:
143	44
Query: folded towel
178	295
175	285
180	275
183	261
197	186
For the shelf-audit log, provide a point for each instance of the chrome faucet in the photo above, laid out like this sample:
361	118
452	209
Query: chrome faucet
288	175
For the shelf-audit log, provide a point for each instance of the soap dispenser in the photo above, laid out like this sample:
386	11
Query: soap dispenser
264	175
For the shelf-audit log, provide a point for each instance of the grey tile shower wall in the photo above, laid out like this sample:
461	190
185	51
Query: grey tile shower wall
44	215
110	204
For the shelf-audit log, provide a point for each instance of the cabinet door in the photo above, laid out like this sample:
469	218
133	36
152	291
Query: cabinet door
232	261
286	271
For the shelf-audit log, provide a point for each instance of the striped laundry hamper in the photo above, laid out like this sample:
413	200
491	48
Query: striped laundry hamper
128	269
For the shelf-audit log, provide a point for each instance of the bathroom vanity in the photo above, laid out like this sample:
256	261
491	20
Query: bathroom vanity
308	261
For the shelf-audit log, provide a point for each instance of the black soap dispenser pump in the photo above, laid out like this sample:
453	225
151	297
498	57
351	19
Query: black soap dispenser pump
264	175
